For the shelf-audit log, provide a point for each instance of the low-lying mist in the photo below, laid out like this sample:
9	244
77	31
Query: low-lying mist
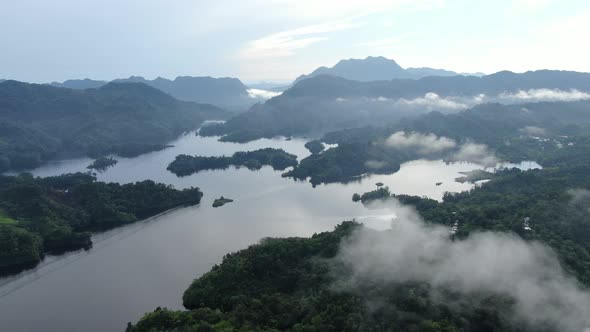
499	263
447	104
431	145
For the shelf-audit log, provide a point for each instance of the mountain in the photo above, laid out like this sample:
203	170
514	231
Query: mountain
326	103
40	122
79	84
376	69
224	92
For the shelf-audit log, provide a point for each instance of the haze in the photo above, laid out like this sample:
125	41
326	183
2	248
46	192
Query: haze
44	41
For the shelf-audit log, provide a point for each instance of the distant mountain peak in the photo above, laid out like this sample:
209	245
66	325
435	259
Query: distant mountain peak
375	68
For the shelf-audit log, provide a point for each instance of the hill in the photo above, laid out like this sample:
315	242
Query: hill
326	103
40	122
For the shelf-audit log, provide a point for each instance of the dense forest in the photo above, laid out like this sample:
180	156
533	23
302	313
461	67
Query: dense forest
56	214
40	122
185	165
288	284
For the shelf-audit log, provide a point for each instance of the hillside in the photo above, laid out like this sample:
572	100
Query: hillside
326	103
56	214
225	92
40	122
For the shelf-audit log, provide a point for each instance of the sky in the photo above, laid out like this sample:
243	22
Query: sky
278	40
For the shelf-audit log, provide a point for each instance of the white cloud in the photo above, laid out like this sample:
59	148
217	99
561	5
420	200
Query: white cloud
422	143
499	263
375	164
533	131
475	153
537	95
285	43
432	101
262	94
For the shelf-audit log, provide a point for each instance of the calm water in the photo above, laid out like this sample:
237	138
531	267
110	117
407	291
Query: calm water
134	269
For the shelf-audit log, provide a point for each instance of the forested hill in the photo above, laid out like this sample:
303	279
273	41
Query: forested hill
327	103
39	122
55	214
226	92
325	86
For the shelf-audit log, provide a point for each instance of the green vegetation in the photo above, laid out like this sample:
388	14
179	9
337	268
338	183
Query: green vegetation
364	151
379	193
347	162
185	165
56	214
314	146
41	122
103	163
221	201
6	220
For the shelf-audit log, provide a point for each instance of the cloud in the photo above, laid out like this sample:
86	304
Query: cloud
432	101
285	43
538	95
476	153
375	164
486	262
428	144
262	94
580	199
533	131
423	143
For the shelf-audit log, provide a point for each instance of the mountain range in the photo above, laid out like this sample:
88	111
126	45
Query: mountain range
377	69
229	93
324	103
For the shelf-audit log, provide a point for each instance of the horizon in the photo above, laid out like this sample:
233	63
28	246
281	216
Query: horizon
271	81
108	40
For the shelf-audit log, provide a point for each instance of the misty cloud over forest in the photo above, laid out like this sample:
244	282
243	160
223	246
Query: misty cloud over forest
434	102
431	145
485	262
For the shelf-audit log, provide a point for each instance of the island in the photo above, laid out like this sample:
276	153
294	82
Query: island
221	201
103	163
380	193
185	165
314	146
56	214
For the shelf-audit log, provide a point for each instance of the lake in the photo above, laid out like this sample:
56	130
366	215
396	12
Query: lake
133	269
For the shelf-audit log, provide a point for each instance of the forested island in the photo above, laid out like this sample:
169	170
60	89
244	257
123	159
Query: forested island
185	165
57	214
221	201
103	163
42	122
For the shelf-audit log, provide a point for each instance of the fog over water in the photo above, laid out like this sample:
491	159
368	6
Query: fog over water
134	269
